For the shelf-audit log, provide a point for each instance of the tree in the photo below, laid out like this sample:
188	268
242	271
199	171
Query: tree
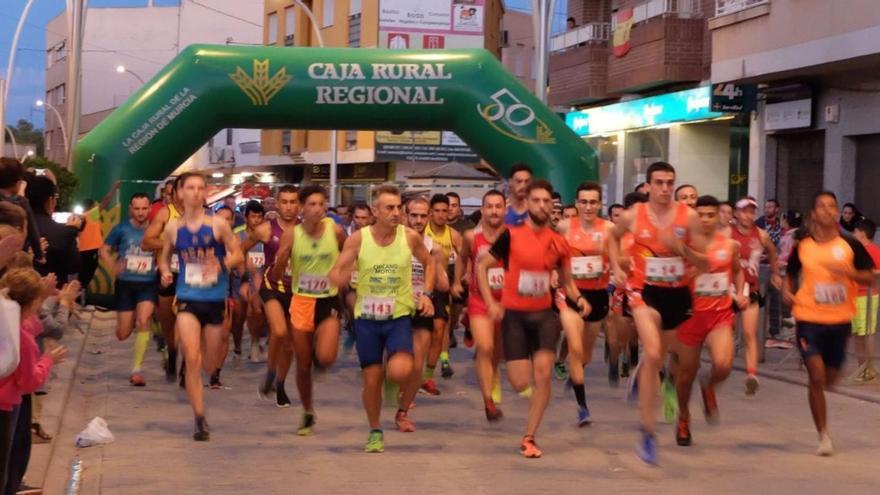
65	181
25	133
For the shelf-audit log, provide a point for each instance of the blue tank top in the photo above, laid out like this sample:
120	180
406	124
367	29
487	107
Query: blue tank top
512	218
193	248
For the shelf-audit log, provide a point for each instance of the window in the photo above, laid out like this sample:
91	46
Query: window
59	95
285	143
289	25
354	31
519	53
272	27
56	54
228	137
327	18
351	140
354	7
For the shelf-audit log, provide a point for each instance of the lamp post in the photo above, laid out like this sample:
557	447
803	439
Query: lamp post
122	70
10	67
41	103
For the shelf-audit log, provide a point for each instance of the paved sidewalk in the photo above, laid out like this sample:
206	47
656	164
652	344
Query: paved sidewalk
765	443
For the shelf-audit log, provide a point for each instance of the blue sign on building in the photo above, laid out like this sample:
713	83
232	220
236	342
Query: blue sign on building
682	106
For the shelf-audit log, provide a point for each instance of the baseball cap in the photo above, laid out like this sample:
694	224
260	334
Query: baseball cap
745	203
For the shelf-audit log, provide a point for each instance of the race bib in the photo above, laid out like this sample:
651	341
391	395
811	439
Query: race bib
664	269
196	277
353	280
140	265
288	272
377	308
258	260
587	267
496	278
175	263
829	293
314	285
533	284
712	284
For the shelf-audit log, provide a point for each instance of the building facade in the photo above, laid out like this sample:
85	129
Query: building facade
143	40
816	126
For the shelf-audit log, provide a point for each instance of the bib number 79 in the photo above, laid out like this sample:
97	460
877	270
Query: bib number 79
499	110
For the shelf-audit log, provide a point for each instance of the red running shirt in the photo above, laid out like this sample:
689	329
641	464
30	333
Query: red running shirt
589	254
529	256
711	290
496	271
750	253
652	262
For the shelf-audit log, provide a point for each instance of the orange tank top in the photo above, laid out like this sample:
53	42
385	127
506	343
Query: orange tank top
589	254
711	289
652	262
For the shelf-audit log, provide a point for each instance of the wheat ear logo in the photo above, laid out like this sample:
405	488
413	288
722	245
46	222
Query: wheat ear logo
260	88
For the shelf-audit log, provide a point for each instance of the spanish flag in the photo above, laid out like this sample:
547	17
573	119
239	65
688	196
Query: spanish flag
623	26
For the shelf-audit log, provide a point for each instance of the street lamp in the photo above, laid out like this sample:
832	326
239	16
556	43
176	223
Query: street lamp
122	70
41	103
10	69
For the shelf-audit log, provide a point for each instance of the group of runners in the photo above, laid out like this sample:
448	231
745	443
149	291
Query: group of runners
669	270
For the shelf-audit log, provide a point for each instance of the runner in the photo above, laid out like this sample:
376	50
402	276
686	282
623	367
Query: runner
382	254
207	250
276	293
425	280
569	212
686	194
135	284
361	218
153	242
587	238
234	311
865	321
657	290
623	329
310	249
460	224
517	182
725	218
754	242
254	215
450	241
712	322
830	268
530	328
486	332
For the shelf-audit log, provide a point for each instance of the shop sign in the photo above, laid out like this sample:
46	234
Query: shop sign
682	106
734	98
788	115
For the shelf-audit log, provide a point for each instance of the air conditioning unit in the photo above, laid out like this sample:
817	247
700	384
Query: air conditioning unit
223	154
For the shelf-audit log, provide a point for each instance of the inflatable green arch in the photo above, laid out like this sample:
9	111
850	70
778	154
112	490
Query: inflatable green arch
207	88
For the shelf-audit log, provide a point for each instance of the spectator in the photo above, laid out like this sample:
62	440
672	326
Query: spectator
61	238
570	24
13	228
864	324
11	190
238	218
791	222
849	217
25	287
770	221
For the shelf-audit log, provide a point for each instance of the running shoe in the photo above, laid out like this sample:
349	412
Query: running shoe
526	393
136	380
429	387
281	399
375	442
632	389
305	426
468	338
584	418
647	449
670	401
403	423
496	393
265	388
446	369
710	403
255	356
215	382
826	449
528	448
560	372
202	433
751	385
493	413
624	368
613	375
683	433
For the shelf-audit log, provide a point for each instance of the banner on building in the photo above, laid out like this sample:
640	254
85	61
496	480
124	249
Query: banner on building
623	26
734	98
423	146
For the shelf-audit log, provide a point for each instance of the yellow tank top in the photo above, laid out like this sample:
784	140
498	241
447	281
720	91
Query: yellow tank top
444	240
311	261
173	212
384	289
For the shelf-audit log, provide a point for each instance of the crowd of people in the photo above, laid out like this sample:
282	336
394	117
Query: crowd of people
533	281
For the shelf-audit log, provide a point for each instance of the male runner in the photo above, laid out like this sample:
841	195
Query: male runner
865	321
276	293
623	330
486	331
754	242
449	240
517	182
460	224
207	250
830	268
362	217
587	238
657	291
725	218
569	212
382	254
457	220
152	241
686	194
712	321
254	215
135	286
530	328
310	249
425	280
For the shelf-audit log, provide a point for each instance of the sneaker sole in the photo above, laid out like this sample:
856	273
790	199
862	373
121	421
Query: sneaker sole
752	386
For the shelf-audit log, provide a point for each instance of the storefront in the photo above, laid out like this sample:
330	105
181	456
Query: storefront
708	149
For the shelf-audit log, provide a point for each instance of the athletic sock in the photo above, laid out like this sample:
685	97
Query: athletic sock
428	373
580	394
526	393
751	371
444	356
141	342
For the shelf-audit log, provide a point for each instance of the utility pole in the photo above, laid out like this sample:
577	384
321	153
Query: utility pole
542	22
76	23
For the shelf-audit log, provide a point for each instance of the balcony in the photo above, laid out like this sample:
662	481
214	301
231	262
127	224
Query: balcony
579	65
725	7
588	33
